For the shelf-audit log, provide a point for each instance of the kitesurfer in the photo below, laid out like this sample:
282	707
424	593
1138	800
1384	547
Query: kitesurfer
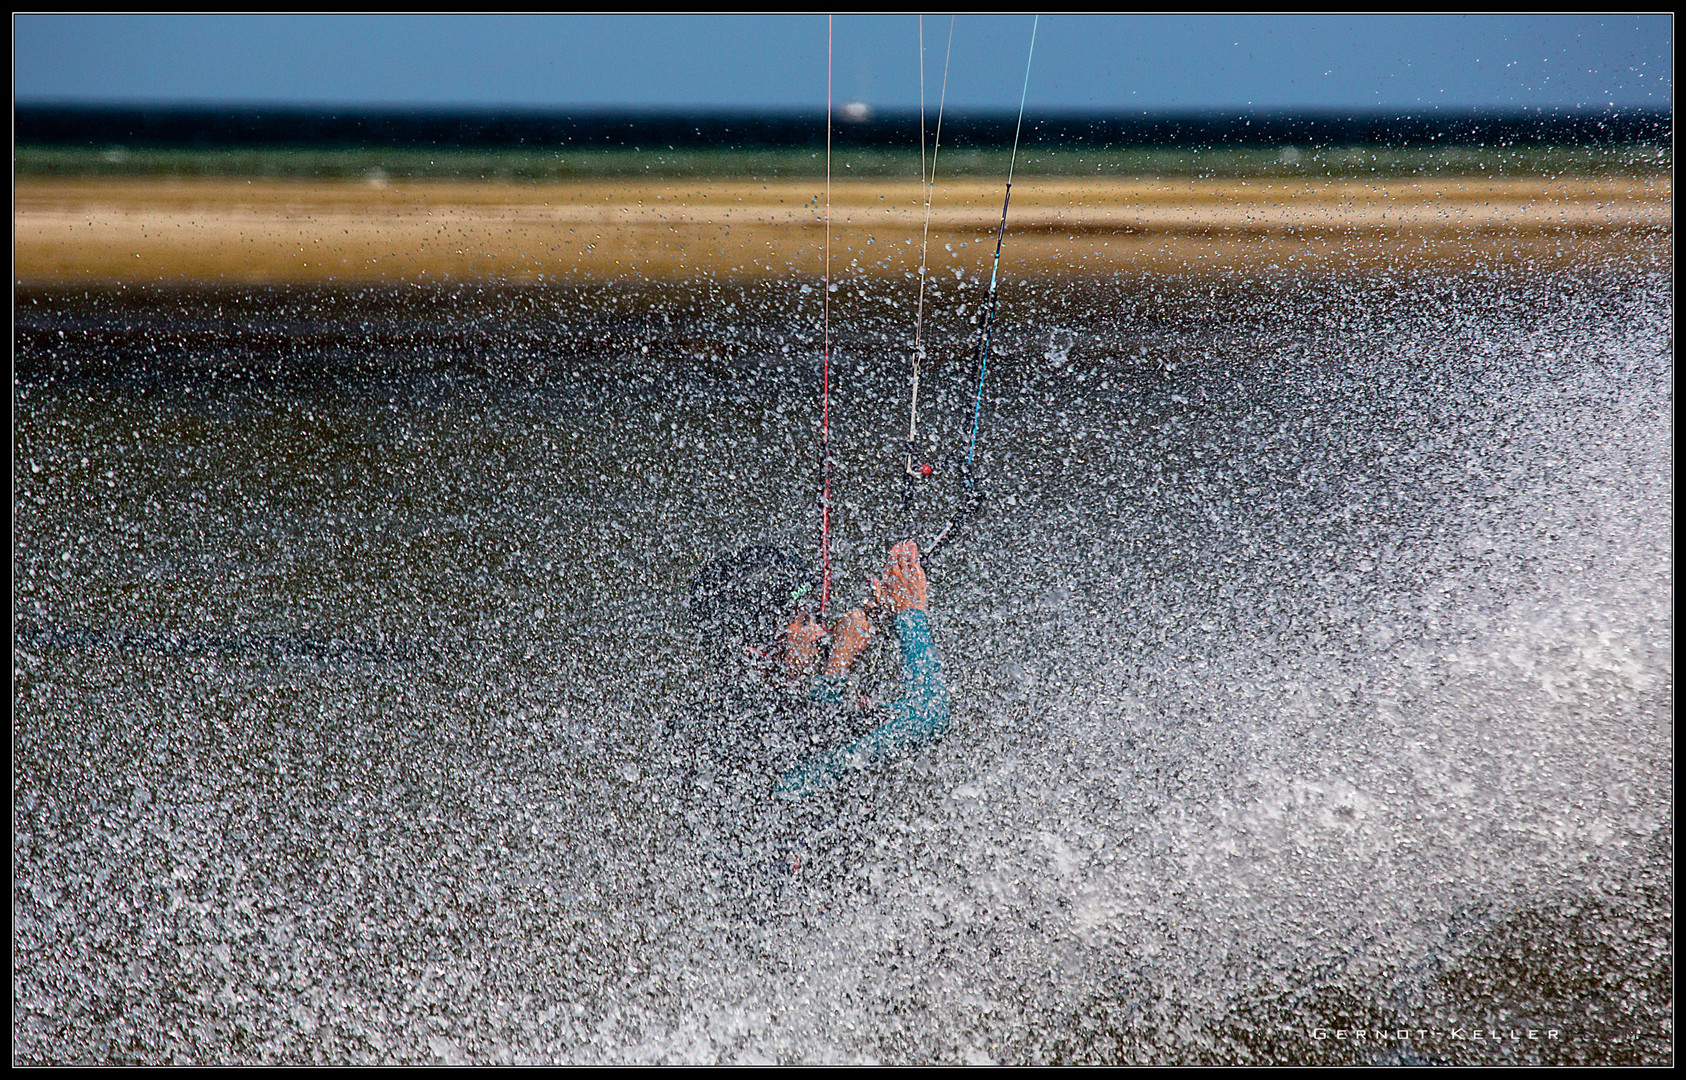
782	724
781	718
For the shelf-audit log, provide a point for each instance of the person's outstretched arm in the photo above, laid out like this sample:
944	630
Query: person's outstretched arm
922	712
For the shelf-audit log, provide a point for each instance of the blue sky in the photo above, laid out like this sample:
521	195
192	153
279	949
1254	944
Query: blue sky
774	61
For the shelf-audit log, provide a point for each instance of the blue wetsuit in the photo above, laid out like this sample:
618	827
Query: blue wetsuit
747	828
917	718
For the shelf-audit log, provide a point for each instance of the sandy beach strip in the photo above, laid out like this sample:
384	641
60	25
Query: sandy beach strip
200	231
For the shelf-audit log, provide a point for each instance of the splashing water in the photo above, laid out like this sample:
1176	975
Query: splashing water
1059	346
1311	675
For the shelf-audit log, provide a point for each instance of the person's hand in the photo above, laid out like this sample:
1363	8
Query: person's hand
849	639
802	644
903	587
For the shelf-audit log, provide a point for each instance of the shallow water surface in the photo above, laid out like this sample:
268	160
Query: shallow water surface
1310	664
